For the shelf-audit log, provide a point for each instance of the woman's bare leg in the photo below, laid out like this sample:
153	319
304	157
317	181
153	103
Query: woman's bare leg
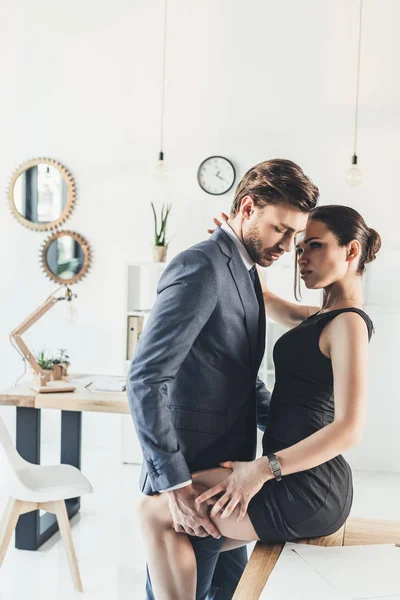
170	555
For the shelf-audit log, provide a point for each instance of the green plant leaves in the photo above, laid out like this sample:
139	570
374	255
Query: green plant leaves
47	362
160	233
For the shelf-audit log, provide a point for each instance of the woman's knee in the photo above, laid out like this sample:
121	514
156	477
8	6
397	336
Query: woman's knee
153	511
148	508
144	508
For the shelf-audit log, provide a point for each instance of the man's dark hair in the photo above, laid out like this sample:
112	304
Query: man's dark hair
277	181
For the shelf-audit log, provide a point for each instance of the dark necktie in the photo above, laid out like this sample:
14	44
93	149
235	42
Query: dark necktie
261	315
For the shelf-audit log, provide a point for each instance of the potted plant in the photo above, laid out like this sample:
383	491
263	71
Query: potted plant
160	242
58	370
61	364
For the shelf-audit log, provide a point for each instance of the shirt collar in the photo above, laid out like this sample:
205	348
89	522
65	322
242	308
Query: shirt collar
248	263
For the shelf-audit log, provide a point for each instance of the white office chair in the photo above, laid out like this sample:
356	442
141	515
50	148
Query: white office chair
32	487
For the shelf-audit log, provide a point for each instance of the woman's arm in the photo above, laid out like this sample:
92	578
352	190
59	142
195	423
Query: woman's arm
286	313
347	346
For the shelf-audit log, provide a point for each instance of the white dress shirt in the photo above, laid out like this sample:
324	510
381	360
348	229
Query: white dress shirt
249	264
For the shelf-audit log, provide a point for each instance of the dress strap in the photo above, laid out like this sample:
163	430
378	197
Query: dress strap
331	314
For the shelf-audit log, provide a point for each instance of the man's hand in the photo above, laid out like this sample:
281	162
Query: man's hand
246	479
189	517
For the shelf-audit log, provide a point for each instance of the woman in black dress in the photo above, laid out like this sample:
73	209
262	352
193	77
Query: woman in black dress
317	411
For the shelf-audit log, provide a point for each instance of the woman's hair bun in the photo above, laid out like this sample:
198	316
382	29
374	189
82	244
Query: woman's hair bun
374	244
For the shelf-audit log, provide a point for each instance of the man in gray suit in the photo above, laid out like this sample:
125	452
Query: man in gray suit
193	389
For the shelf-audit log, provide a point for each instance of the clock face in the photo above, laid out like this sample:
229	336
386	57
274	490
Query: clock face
216	175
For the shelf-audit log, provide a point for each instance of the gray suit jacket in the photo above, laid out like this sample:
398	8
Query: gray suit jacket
192	386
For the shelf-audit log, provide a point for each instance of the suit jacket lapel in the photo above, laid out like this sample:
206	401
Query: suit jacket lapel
244	287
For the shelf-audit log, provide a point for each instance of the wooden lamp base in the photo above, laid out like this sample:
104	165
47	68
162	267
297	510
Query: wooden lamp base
53	387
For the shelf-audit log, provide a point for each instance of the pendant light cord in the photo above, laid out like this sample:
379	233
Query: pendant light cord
358	79
163	76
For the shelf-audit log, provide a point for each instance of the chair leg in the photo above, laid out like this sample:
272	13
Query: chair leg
8	523
60	510
5	516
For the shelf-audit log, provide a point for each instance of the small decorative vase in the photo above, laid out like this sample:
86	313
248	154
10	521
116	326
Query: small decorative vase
44	376
64	366
160	253
57	372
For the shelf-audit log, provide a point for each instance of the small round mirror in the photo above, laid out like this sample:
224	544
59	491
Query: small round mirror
41	194
65	257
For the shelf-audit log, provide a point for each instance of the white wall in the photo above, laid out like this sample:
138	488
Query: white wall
80	82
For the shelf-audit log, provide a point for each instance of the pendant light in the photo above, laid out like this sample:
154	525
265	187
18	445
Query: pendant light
353	174
161	167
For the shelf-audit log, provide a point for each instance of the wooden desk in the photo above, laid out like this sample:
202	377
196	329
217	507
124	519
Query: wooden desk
32	530
81	400
355	532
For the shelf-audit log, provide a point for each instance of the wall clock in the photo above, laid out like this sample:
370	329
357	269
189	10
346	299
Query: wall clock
216	175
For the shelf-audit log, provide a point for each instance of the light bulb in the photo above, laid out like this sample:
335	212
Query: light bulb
71	313
161	168
354	175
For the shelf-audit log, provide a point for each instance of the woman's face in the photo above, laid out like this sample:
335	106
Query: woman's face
320	258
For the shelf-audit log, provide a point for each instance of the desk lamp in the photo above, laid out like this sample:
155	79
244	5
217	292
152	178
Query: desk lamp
42	375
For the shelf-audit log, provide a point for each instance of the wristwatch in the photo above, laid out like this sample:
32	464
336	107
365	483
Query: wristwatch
275	466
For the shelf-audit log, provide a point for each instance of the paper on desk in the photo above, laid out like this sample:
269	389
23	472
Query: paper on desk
82	380
340	573
109	383
361	571
294	578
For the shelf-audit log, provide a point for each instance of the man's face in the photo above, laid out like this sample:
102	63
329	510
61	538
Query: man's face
270	231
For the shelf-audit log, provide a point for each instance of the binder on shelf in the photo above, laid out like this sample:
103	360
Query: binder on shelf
135	328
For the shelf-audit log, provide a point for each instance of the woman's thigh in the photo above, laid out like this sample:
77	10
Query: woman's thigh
230	527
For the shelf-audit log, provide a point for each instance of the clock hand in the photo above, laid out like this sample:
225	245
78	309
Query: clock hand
219	177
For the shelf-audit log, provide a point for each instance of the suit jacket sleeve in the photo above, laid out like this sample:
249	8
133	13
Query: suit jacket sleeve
263	399
187	296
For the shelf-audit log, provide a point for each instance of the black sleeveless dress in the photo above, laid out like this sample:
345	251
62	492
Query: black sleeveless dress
315	502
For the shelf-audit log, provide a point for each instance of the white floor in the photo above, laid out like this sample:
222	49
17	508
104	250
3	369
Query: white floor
107	539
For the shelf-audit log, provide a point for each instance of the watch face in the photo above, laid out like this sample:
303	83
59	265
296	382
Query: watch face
273	462
216	175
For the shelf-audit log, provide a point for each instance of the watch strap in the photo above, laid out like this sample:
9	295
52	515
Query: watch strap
275	466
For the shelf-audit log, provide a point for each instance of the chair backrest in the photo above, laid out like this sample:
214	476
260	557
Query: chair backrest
10	460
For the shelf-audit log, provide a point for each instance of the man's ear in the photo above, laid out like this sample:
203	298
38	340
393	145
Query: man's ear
247	207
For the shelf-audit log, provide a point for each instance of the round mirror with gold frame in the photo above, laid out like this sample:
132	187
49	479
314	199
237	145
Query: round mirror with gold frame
41	194
65	257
